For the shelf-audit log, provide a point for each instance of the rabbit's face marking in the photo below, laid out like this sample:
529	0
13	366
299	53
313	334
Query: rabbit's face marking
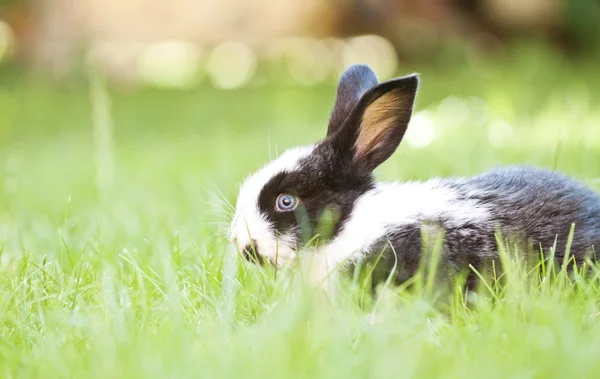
320	185
316	181
250	226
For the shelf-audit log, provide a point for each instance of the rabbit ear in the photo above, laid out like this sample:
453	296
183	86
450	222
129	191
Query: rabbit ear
354	83
376	125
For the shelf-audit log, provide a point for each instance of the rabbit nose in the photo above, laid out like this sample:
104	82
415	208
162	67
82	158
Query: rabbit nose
250	252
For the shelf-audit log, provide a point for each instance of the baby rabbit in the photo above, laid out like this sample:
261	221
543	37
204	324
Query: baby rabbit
287	197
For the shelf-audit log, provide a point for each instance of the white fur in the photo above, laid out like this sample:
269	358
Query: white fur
375	214
392	205
249	224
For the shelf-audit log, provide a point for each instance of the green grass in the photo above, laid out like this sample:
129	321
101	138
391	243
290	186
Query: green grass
132	277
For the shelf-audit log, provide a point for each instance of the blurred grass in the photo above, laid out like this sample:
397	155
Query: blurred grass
132	280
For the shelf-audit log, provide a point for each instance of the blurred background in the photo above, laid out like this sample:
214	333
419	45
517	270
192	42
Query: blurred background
144	103
126	127
174	43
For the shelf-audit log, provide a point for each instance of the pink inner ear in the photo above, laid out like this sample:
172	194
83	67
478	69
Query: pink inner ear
379	121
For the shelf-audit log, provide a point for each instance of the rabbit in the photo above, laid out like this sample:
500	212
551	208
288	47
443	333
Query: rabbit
367	124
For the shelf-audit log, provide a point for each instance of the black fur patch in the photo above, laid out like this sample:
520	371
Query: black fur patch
400	253
397	254
539	206
320	183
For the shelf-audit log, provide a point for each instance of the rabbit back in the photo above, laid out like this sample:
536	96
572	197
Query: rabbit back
534	207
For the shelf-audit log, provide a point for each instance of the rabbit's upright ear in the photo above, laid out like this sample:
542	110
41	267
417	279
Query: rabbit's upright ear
354	83
376	125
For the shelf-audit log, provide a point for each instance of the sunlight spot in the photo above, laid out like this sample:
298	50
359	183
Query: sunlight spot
231	65
500	133
478	110
373	50
336	47
453	111
7	41
309	61
336	50
275	49
116	58
170	64
421	131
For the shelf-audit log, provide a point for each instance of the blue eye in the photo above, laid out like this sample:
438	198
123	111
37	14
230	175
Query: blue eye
286	202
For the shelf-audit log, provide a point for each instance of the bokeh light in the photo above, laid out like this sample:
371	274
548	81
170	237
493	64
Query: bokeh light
231	65
170	64
373	50
117	59
421	131
453	111
309	61
7	41
128	126
500	133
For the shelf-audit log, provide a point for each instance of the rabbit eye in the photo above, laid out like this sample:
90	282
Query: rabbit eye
286	202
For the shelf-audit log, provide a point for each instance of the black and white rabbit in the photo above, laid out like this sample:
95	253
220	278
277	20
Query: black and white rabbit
367	124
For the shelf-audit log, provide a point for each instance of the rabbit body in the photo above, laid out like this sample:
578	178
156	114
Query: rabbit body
282	203
534	207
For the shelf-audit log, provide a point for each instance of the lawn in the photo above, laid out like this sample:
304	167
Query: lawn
113	252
